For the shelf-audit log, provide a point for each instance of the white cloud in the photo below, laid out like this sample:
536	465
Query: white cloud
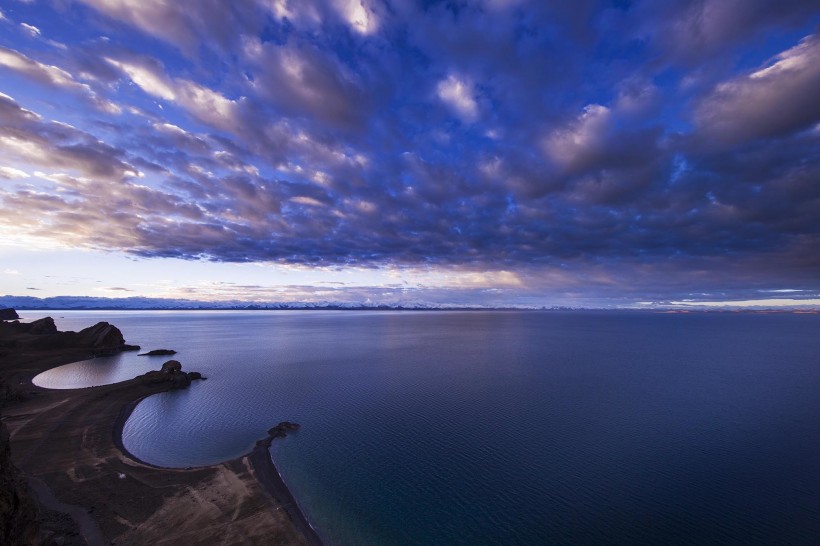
53	76
304	200
203	103
455	278
10	173
207	104
33	141
458	95
302	13
30	29
161	18
150	81
10	272
20	63
358	15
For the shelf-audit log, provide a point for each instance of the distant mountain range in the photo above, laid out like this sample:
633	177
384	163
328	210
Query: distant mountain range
90	303
28	303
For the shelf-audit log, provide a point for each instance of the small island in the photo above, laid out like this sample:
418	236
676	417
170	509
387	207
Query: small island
66	478
159	352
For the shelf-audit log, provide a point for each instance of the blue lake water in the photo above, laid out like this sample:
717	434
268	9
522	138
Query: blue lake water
497	427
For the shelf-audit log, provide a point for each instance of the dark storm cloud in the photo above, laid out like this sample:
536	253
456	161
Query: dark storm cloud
577	144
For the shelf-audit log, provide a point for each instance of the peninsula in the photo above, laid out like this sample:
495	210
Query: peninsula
65	477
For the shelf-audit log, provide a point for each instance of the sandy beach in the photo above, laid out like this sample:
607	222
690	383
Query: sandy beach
68	444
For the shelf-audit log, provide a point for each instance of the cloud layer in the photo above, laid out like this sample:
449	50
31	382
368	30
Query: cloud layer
670	146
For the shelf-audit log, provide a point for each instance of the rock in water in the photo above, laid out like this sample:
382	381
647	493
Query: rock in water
159	352
281	430
172	366
172	374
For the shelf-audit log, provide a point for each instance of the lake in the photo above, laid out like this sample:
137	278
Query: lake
498	427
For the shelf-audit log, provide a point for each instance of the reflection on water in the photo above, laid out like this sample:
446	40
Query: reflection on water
96	371
147	329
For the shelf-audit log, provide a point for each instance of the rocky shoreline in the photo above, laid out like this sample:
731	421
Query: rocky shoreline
77	484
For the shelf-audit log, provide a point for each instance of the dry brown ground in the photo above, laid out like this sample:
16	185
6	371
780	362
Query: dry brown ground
68	444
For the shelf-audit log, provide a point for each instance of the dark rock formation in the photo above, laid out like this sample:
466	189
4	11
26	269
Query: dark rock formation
42	326
159	352
180	380
102	335
18	509
42	334
8	314
279	431
171	366
172	374
282	429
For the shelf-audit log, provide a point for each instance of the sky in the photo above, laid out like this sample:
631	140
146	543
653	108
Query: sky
492	152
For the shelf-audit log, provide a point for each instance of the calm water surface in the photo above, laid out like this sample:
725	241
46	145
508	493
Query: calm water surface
497	427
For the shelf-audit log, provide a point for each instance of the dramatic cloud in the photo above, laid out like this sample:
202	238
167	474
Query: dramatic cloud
495	150
202	103
304	81
183	25
28	139
770	102
52	76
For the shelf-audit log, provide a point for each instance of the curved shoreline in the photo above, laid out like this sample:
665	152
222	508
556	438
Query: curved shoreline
268	475
266	472
70	440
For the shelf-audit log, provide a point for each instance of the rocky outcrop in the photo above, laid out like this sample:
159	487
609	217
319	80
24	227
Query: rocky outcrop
171	366
42	326
279	431
102	335
8	314
42	334
159	352
172	374
18	509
